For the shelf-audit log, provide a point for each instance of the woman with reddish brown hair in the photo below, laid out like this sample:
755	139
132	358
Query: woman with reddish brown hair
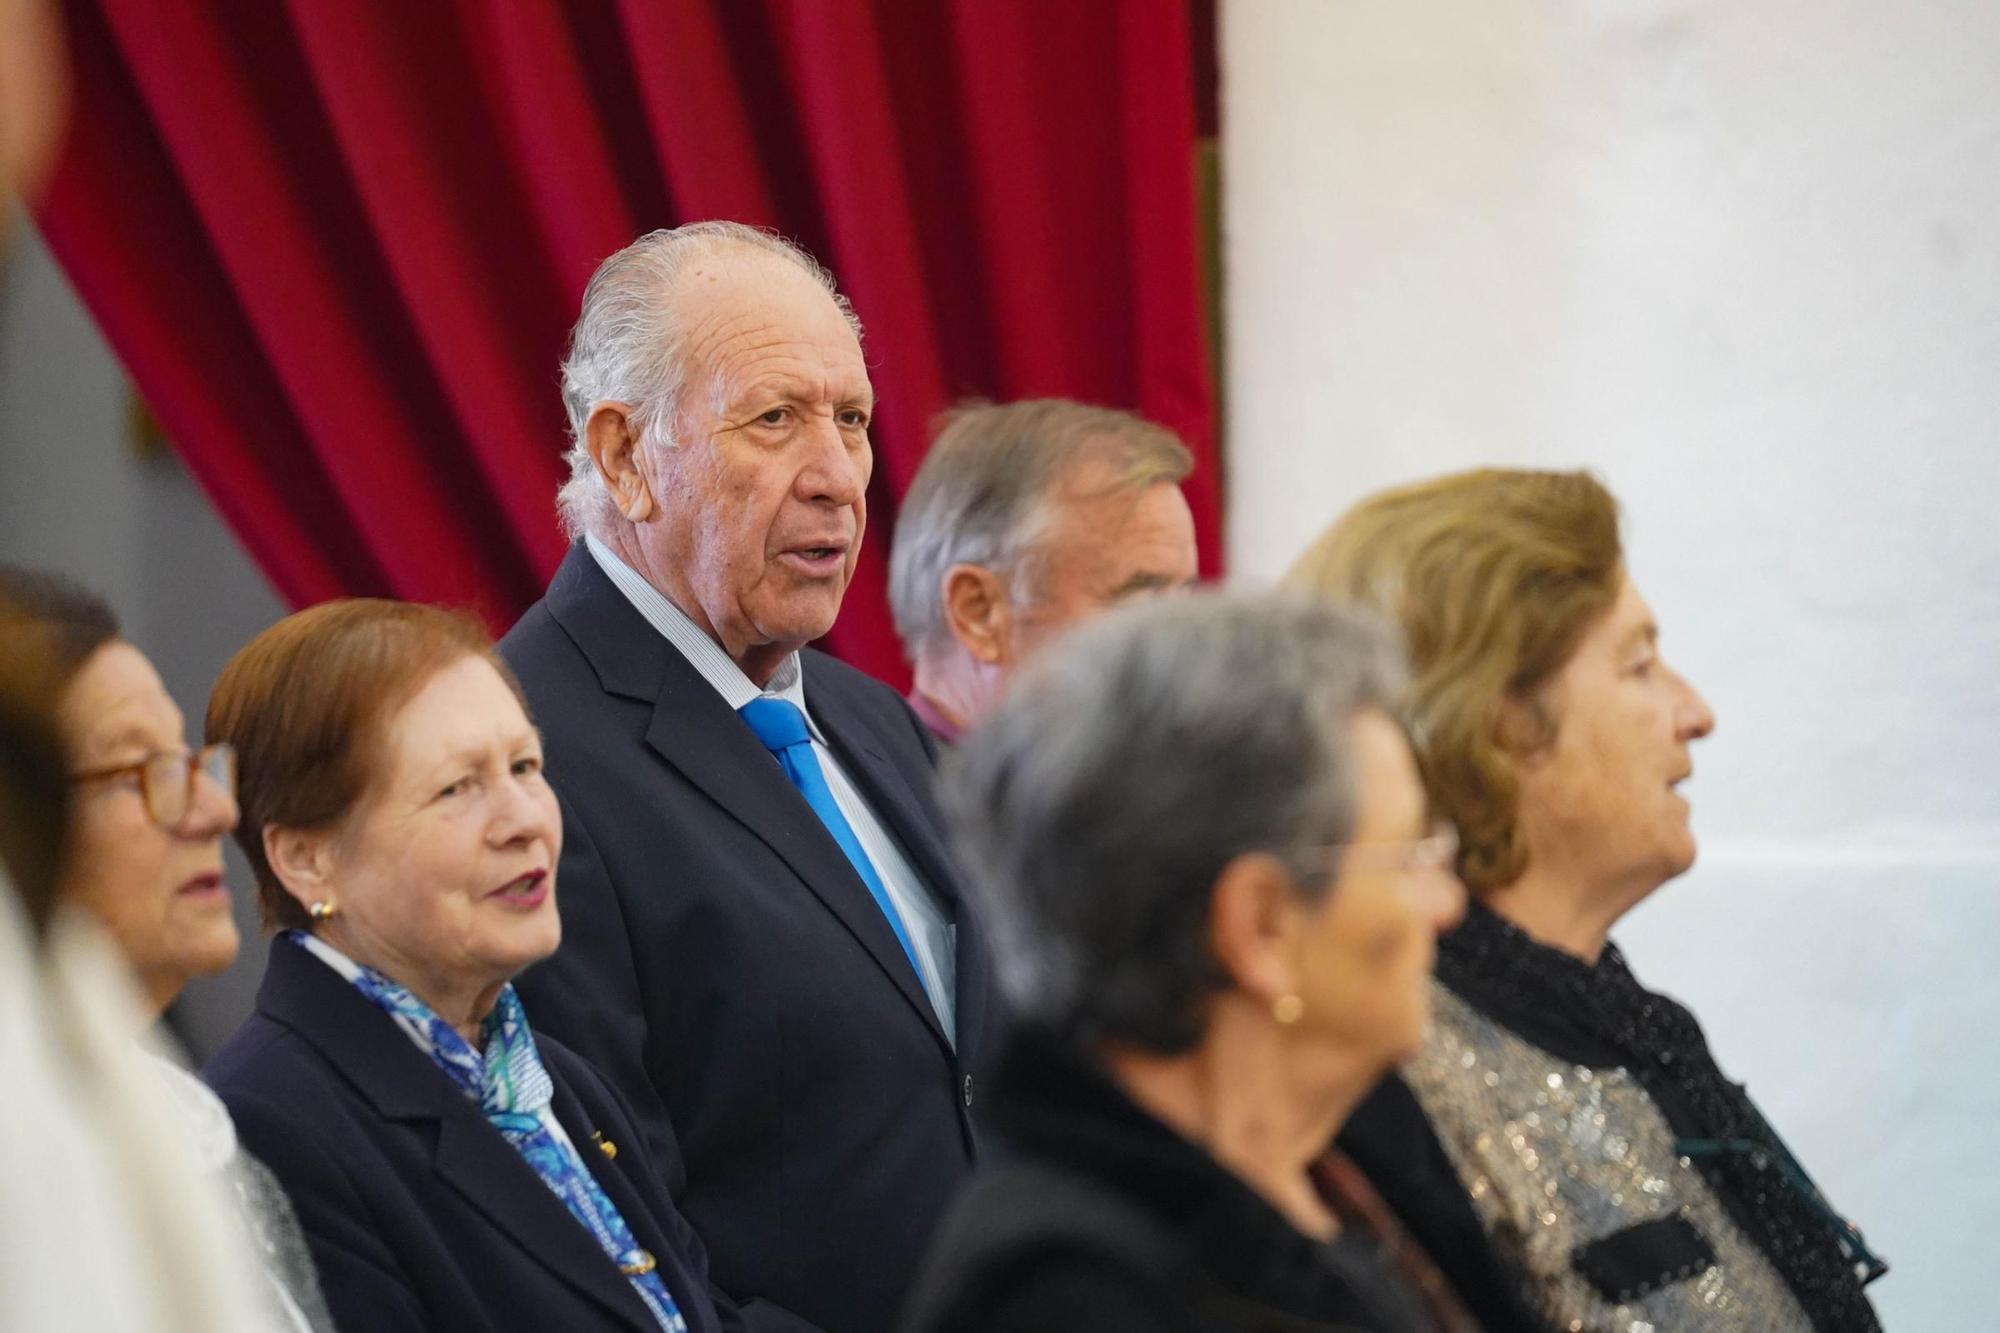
451	1168
1565	1145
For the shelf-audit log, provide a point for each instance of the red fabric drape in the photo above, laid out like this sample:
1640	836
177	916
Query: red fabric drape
338	243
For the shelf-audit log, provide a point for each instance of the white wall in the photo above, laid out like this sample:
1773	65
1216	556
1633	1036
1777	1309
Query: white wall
1743	258
77	498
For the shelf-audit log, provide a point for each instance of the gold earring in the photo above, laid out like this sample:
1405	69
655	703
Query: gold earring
1288	1009
321	909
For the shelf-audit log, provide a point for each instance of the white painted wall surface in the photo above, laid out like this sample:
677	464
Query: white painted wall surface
1743	258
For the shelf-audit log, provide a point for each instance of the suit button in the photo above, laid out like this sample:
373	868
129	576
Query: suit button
967	1089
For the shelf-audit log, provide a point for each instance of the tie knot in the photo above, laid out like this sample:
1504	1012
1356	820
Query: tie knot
778	723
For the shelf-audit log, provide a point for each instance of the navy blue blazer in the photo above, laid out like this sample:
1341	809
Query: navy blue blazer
420	1216
723	963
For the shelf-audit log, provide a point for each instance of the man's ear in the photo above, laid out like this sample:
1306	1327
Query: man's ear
303	862
613	442
1251	921
980	613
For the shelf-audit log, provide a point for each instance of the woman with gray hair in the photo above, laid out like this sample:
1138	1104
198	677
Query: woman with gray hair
1216	892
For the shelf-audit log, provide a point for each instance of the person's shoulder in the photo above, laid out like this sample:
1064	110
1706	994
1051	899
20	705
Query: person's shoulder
274	1063
261	1051
1391	1139
537	644
1029	1247
564	685
1390	1114
533	624
1024	1212
279	1089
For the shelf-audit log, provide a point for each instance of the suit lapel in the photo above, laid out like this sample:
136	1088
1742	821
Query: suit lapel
647	1228
475	1160
698	733
889	795
899	807
695	731
470	1156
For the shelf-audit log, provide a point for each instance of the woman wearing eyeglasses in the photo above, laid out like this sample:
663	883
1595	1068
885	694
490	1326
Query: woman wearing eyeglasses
1565	1145
1204	845
144	858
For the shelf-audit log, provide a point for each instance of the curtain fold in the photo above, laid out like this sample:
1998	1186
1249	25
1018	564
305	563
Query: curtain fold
338	243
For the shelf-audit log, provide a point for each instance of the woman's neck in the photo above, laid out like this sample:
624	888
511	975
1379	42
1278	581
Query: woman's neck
159	990
1241	1102
468	1020
462	1004
1561	913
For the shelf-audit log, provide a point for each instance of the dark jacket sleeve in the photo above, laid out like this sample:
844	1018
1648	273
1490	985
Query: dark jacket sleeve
364	1285
598	1005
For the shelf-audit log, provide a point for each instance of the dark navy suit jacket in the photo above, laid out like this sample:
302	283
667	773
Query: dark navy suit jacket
725	965
420	1216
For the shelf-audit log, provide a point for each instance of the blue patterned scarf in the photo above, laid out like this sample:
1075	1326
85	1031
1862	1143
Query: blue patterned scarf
513	1089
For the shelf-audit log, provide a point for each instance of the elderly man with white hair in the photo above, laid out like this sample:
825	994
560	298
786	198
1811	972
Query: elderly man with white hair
764	940
1024	519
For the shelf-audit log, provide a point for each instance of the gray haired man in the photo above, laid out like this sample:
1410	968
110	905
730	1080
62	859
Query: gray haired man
764	944
1025	518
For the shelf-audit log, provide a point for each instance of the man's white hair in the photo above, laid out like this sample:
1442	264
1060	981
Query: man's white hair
629	346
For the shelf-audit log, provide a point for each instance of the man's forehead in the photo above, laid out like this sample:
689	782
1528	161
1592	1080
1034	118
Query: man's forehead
1095	501
736	282
1123	542
771	333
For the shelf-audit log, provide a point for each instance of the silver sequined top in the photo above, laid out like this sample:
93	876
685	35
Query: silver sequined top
1556	1155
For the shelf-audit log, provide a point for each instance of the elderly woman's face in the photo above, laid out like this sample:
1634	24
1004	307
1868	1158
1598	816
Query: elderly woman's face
158	890
443	876
1598	804
1371	942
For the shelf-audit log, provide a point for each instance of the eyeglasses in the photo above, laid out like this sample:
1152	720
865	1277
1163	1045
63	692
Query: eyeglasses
166	779
1436	851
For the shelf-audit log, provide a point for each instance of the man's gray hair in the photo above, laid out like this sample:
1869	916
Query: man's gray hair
981	496
629	345
1127	766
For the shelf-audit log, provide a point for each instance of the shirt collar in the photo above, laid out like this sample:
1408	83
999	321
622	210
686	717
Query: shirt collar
350	971
326	953
704	654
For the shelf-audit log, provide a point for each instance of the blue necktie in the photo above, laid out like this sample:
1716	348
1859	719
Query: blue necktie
782	728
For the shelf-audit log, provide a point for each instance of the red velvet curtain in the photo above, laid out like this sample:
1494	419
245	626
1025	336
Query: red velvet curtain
338	243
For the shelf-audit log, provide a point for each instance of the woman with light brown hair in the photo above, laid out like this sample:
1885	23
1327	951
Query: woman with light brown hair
1565	1146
